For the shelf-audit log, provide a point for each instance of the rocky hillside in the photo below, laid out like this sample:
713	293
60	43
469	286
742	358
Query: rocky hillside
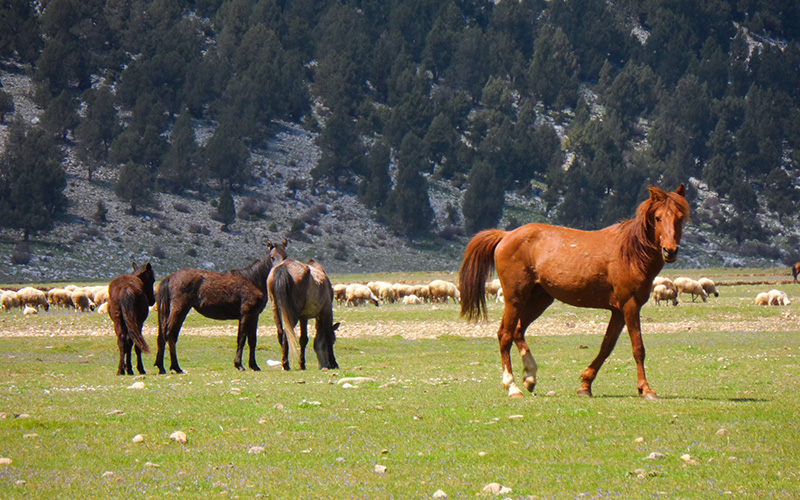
332	227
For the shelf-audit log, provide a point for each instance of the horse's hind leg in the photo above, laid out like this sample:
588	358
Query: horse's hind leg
247	331
517	315
303	342
538	302
122	335
609	341
139	364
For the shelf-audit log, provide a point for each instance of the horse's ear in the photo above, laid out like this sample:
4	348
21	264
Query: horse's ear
681	190
284	242
148	267
335	326
270	245
656	194
135	267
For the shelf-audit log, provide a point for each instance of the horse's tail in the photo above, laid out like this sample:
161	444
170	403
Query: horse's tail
127	306
163	300
281	300
477	264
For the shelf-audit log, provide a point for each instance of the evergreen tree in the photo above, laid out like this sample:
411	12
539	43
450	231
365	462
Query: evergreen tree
6	105
134	186
98	129
376	186
780	193
408	209
342	149
179	169
32	180
553	72
225	155
483	200
226	211
60	116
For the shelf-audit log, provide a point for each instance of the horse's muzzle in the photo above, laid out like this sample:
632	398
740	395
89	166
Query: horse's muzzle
669	255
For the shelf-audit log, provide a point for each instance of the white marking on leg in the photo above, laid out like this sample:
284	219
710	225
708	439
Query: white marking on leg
508	383
530	370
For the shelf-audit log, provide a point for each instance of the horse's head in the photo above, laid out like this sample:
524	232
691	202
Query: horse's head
667	213
277	252
148	277
323	344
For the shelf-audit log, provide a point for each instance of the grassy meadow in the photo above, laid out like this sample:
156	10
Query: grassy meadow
430	408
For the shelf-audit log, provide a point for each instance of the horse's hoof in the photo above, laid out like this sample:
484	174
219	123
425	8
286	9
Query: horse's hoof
585	393
529	383
517	394
255	368
650	396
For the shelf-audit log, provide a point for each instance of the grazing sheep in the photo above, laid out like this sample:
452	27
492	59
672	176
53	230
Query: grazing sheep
339	293
386	293
762	299
401	290
501	297
357	293
662	292
778	298
103	308
441	290
662	280
33	297
30	310
8	300
708	286
492	287
690	286
60	297
411	299
81	301
422	292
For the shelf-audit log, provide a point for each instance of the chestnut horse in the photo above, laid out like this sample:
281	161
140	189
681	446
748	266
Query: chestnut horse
611	269
129	299
796	271
238	294
300	292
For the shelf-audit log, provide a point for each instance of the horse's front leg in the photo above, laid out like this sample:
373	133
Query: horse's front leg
633	323
248	327
122	336
613	330
505	339
303	342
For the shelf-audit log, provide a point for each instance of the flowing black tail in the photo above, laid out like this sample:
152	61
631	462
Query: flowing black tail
127	306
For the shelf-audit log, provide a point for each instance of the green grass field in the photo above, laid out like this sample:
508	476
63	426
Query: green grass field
436	415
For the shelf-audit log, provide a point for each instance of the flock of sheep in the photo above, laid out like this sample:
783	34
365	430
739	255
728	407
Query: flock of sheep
376	292
90	298
80	298
666	290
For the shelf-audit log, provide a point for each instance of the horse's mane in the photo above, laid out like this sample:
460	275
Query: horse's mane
637	242
257	271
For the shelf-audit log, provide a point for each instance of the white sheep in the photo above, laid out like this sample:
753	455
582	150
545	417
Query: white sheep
29	296
30	310
662	280
662	292
778	298
690	286
60	297
401	290
423	292
411	299
386	293
339	293
356	294
709	286
81	301
441	290
492	287
762	299
8	300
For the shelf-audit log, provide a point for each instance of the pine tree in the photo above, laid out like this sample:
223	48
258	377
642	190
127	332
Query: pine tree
32	180
134	186
408	208
483	200
179	169
226	211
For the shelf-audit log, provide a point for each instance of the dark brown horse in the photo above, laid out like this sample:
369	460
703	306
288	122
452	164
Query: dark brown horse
612	269
796	271
129	299
300	292
239	294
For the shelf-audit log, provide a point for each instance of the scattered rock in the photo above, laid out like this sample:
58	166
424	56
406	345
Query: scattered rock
20	482
108	473
347	385
29	436
496	489
116	412
178	436
439	494
139	438
355	380
136	385
380	469
255	450
550	394
639	439
6	461
655	456
516	417
722	432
